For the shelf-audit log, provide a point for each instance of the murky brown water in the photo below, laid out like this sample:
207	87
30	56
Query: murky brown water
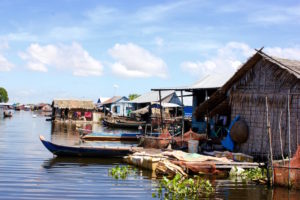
29	171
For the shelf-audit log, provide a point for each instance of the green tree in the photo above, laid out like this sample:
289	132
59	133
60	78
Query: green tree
3	95
133	96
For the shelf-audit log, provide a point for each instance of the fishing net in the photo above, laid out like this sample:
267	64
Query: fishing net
160	142
182	141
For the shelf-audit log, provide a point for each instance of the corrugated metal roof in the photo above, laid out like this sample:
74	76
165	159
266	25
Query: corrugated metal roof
152	96
211	81
114	99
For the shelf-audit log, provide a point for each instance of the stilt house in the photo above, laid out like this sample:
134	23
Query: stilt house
262	82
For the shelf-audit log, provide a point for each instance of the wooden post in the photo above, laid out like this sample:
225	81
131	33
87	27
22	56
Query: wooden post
182	120
297	131
161	111
289	134
270	141
280	136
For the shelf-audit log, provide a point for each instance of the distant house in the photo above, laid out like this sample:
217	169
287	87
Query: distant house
73	109
153	96
100	100
151	101
262	81
195	94
117	105
46	108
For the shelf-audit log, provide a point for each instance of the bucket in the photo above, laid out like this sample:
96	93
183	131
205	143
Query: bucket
193	146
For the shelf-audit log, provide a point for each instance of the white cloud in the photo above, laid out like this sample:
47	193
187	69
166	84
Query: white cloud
288	53
5	65
134	61
71	58
227	60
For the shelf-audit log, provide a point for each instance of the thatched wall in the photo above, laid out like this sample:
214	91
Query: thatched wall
247	99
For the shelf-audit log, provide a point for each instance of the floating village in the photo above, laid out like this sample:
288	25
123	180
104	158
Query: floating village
219	126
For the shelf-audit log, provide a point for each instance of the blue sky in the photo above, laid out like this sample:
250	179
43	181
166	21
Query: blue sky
87	49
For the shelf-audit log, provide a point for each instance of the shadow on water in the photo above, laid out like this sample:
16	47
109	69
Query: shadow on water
68	161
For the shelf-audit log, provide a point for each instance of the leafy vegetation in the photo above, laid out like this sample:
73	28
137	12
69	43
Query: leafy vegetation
121	172
3	95
133	96
254	174
183	188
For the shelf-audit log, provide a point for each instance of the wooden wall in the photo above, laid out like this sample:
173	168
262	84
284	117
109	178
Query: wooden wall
247	99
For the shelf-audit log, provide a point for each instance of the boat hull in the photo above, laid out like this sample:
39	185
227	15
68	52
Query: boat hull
112	137
100	152
123	124
7	114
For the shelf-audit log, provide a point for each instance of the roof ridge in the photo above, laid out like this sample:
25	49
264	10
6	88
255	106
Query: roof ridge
278	62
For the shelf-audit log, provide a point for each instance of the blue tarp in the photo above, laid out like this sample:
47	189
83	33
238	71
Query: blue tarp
188	111
227	142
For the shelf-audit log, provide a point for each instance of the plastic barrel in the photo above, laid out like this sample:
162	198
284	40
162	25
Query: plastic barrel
193	146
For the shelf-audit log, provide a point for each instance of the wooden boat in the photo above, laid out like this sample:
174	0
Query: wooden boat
111	137
7	114
288	174
123	123
99	152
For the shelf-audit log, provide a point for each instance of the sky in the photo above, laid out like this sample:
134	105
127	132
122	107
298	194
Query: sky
86	49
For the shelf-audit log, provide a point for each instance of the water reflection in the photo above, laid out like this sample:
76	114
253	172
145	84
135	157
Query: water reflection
65	161
66	133
29	171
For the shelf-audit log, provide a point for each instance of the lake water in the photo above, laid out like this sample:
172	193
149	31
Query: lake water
29	171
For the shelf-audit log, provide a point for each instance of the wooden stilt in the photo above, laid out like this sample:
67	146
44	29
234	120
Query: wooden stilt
182	120
289	135
270	142
280	137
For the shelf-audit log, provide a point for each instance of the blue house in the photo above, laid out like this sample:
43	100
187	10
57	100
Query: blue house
117	105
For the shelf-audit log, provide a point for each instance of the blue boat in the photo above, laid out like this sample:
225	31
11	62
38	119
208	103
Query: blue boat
80	151
111	137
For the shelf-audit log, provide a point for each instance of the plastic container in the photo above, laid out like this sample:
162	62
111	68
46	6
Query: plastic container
193	146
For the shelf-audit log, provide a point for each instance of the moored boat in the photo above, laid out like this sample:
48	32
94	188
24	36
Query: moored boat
287	173
123	123
111	137
82	151
7	114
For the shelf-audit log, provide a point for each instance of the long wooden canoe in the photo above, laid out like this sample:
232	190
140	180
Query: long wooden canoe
80	151
119	123
111	137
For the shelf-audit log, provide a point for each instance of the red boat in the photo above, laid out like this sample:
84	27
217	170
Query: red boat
288	174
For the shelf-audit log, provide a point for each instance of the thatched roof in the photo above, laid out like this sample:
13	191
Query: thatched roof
73	104
291	66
